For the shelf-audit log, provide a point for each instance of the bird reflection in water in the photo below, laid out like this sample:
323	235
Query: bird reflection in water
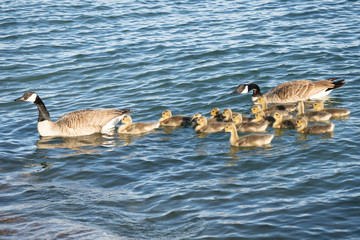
79	145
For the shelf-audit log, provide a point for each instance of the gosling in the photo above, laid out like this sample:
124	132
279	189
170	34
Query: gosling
215	114
303	127
136	128
257	108
312	116
252	140
290	107
283	123
205	127
249	126
173	121
260	117
335	112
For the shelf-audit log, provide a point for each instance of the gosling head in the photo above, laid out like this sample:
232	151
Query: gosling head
301	123
215	112
237	118
195	117
259	115
229	127
166	114
227	112
318	105
277	116
202	121
255	109
261	99
126	119
28	97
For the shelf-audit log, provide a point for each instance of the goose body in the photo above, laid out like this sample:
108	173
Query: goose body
173	121
78	123
335	112
249	126
293	91
283	123
312	116
302	125
136	128
252	140
205	127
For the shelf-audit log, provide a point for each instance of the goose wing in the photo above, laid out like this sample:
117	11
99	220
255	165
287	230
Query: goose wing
301	90
90	119
291	91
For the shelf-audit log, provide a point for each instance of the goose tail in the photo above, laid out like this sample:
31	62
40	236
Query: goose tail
337	84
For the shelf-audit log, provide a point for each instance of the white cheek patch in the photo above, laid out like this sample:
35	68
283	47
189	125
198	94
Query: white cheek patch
246	89
32	98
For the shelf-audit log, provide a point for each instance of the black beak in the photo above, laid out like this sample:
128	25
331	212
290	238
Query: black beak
20	99
239	89
223	130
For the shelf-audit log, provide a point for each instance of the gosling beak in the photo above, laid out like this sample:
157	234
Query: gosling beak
223	130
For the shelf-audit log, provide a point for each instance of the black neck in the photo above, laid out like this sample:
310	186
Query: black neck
43	112
256	90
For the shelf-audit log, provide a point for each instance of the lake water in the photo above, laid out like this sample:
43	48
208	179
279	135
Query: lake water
186	56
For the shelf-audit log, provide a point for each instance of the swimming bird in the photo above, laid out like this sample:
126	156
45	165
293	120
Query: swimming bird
169	120
260	117
204	126
302	125
136	128
311	116
196	116
293	91
252	140
78	123
228	114
283	123
216	114
335	112
257	108
286	107
248	126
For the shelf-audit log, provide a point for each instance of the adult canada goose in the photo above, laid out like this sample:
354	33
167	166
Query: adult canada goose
303	127
216	114
248	126
204	126
136	128
293	91
283	123
290	107
312	116
173	121
78	123
335	112
252	140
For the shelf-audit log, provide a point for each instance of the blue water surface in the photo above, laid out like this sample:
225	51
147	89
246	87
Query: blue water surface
186	56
